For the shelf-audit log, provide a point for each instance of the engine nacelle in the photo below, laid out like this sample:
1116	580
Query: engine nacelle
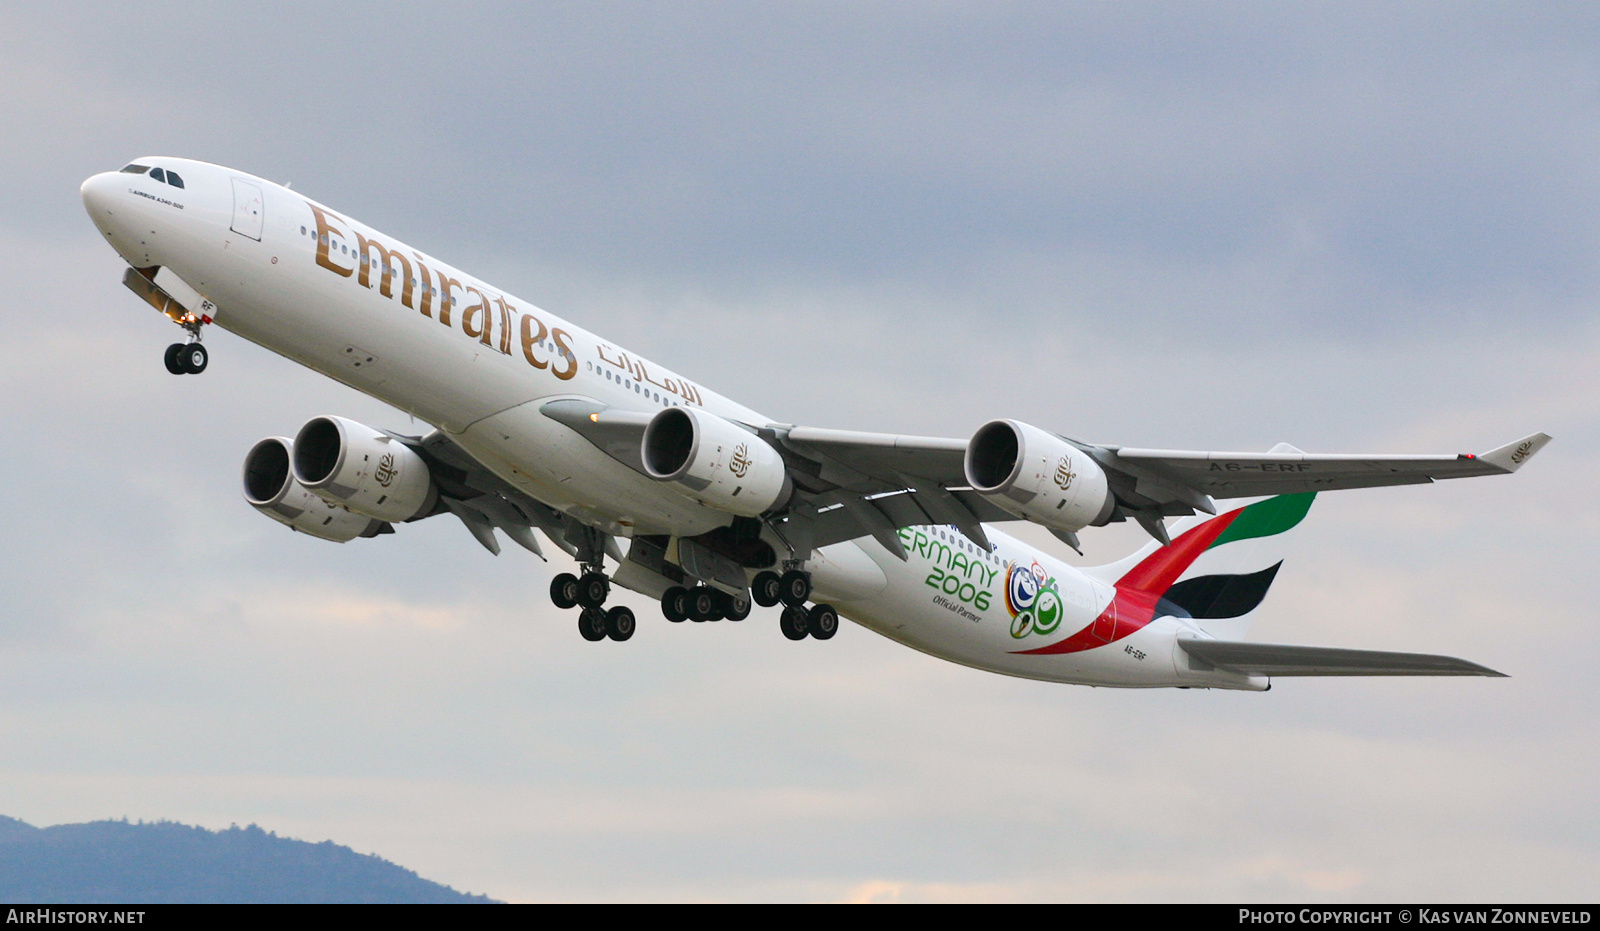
371	473
717	461
271	489
1037	476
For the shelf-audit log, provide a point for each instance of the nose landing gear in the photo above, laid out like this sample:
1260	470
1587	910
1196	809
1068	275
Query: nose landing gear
188	357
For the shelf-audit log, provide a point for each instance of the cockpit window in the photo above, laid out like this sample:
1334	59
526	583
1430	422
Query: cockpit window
173	179
158	174
136	169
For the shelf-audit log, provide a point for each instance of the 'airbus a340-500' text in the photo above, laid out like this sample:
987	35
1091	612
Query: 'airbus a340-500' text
654	483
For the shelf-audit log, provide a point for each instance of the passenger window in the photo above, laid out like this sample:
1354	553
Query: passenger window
136	169
158	174
173	179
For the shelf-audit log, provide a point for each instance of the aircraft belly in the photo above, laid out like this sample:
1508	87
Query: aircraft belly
843	572
915	607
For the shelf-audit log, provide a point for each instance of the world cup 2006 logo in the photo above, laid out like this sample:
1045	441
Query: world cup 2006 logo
385	472
1032	601
740	463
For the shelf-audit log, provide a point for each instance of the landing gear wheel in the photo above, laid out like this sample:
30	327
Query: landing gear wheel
593	589
194	358
766	588
822	622
793	623
592	624
736	607
174	365
675	604
794	587
564	590
703	604
620	623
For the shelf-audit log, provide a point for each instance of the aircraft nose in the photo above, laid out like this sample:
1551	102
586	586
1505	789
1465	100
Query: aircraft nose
98	192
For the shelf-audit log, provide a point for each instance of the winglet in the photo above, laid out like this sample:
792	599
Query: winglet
1511	456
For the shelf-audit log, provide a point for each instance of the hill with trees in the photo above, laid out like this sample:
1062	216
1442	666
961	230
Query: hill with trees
163	861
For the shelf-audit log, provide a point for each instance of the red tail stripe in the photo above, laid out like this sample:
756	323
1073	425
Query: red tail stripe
1134	604
1160	569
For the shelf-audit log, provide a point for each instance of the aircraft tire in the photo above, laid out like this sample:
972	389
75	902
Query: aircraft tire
703	603
593	589
194	358
766	588
564	590
592	624
675	604
620	623
735	607
793	623
822	622
173	364
795	588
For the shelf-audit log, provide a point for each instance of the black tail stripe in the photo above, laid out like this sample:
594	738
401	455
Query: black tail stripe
1222	596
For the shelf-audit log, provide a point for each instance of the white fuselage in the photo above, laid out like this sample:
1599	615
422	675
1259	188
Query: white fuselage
402	326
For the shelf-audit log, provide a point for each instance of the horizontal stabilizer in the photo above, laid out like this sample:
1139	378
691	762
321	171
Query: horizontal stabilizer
1273	659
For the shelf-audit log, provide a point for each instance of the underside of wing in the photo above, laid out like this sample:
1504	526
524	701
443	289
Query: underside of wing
850	484
1272	659
1286	470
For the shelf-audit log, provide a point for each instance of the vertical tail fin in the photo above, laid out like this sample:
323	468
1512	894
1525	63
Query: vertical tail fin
1216	570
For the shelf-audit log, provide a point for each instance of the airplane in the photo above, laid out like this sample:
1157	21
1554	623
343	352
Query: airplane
541	425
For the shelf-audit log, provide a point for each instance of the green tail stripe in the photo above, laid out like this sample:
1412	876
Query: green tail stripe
1267	518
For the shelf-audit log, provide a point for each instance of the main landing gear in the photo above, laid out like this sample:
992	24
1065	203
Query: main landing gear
590	591
703	603
792	589
700	603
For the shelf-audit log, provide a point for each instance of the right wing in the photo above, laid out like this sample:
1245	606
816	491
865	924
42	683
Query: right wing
1272	659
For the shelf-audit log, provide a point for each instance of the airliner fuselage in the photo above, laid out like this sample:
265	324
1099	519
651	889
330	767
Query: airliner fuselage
486	369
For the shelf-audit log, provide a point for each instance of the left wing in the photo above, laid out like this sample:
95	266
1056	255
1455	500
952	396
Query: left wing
1146	484
850	484
1272	659
1286	470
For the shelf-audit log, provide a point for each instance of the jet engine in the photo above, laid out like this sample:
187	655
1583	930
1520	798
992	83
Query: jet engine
272	490
1037	476
720	463
371	473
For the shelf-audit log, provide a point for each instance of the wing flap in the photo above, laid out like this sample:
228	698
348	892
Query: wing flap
1274	659
884	456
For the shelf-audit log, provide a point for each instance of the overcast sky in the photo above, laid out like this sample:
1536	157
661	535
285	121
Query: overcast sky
1354	228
